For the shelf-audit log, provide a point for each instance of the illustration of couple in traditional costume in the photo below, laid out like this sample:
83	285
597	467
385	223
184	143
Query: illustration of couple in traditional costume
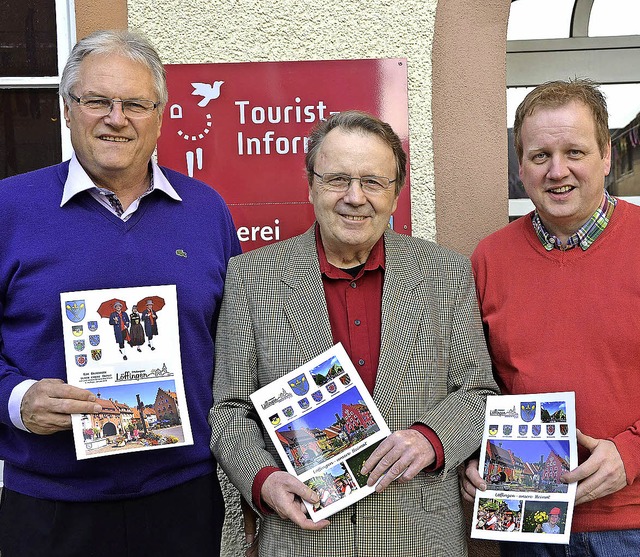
129	329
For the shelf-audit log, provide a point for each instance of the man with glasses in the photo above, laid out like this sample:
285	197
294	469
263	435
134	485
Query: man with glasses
108	218
406	313
559	297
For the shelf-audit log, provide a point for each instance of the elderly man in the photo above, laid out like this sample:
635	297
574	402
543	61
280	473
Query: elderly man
404	309
558	292
63	229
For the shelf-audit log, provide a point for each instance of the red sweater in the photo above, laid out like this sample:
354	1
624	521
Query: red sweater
570	321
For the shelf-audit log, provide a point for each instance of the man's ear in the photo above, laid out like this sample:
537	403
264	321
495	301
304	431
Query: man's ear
66	114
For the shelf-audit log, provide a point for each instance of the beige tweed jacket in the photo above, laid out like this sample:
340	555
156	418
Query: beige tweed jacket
434	369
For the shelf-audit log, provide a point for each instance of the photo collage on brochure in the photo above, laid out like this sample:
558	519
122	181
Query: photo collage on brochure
123	345
324	425
529	442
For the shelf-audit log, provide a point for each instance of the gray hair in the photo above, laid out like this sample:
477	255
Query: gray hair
129	44
355	120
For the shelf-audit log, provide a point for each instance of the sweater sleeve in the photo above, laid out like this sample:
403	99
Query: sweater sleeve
628	445
10	374
10	378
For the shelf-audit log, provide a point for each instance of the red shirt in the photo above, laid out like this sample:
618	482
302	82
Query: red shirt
354	322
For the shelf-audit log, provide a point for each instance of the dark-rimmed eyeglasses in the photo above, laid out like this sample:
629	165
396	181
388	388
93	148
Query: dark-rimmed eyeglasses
102	106
342	182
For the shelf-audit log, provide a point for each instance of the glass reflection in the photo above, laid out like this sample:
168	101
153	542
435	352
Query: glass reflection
29	130
28	38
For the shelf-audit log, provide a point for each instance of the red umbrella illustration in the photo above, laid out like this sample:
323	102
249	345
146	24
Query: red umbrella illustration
107	308
158	303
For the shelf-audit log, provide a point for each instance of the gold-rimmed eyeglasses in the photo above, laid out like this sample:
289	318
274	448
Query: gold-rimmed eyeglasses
102	106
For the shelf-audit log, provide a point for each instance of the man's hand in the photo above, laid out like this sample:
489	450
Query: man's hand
250	521
601	474
48	404
471	480
399	457
284	494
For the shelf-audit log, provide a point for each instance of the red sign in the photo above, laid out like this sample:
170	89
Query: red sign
242	128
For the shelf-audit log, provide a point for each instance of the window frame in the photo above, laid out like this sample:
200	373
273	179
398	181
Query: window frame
66	38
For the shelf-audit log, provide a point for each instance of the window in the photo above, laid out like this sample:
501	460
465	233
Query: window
598	39
35	40
539	19
614	17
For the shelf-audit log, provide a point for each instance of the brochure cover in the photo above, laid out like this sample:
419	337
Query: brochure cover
324	425
529	441
123	345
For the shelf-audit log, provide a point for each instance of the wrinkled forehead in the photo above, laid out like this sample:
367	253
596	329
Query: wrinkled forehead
355	145
117	74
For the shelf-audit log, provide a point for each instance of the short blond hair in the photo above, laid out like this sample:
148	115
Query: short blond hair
559	93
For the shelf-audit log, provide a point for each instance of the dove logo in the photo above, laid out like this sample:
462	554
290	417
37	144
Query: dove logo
207	92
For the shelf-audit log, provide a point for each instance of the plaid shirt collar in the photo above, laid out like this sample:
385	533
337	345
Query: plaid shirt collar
585	235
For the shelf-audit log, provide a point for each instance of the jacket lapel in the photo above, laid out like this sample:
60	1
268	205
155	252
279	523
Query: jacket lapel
305	307
401	318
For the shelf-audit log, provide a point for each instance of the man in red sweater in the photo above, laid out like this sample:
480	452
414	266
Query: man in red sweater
559	293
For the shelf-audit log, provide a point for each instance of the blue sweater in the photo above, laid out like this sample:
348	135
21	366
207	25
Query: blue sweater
46	249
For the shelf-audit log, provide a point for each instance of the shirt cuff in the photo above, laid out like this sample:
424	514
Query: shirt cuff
256	489
435	443
15	403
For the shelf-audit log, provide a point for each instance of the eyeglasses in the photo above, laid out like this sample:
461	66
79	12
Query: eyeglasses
102	106
341	182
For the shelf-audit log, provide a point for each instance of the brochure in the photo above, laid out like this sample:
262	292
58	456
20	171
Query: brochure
123	345
529	441
324	425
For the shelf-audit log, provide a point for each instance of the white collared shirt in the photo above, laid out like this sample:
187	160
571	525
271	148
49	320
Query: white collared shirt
78	181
